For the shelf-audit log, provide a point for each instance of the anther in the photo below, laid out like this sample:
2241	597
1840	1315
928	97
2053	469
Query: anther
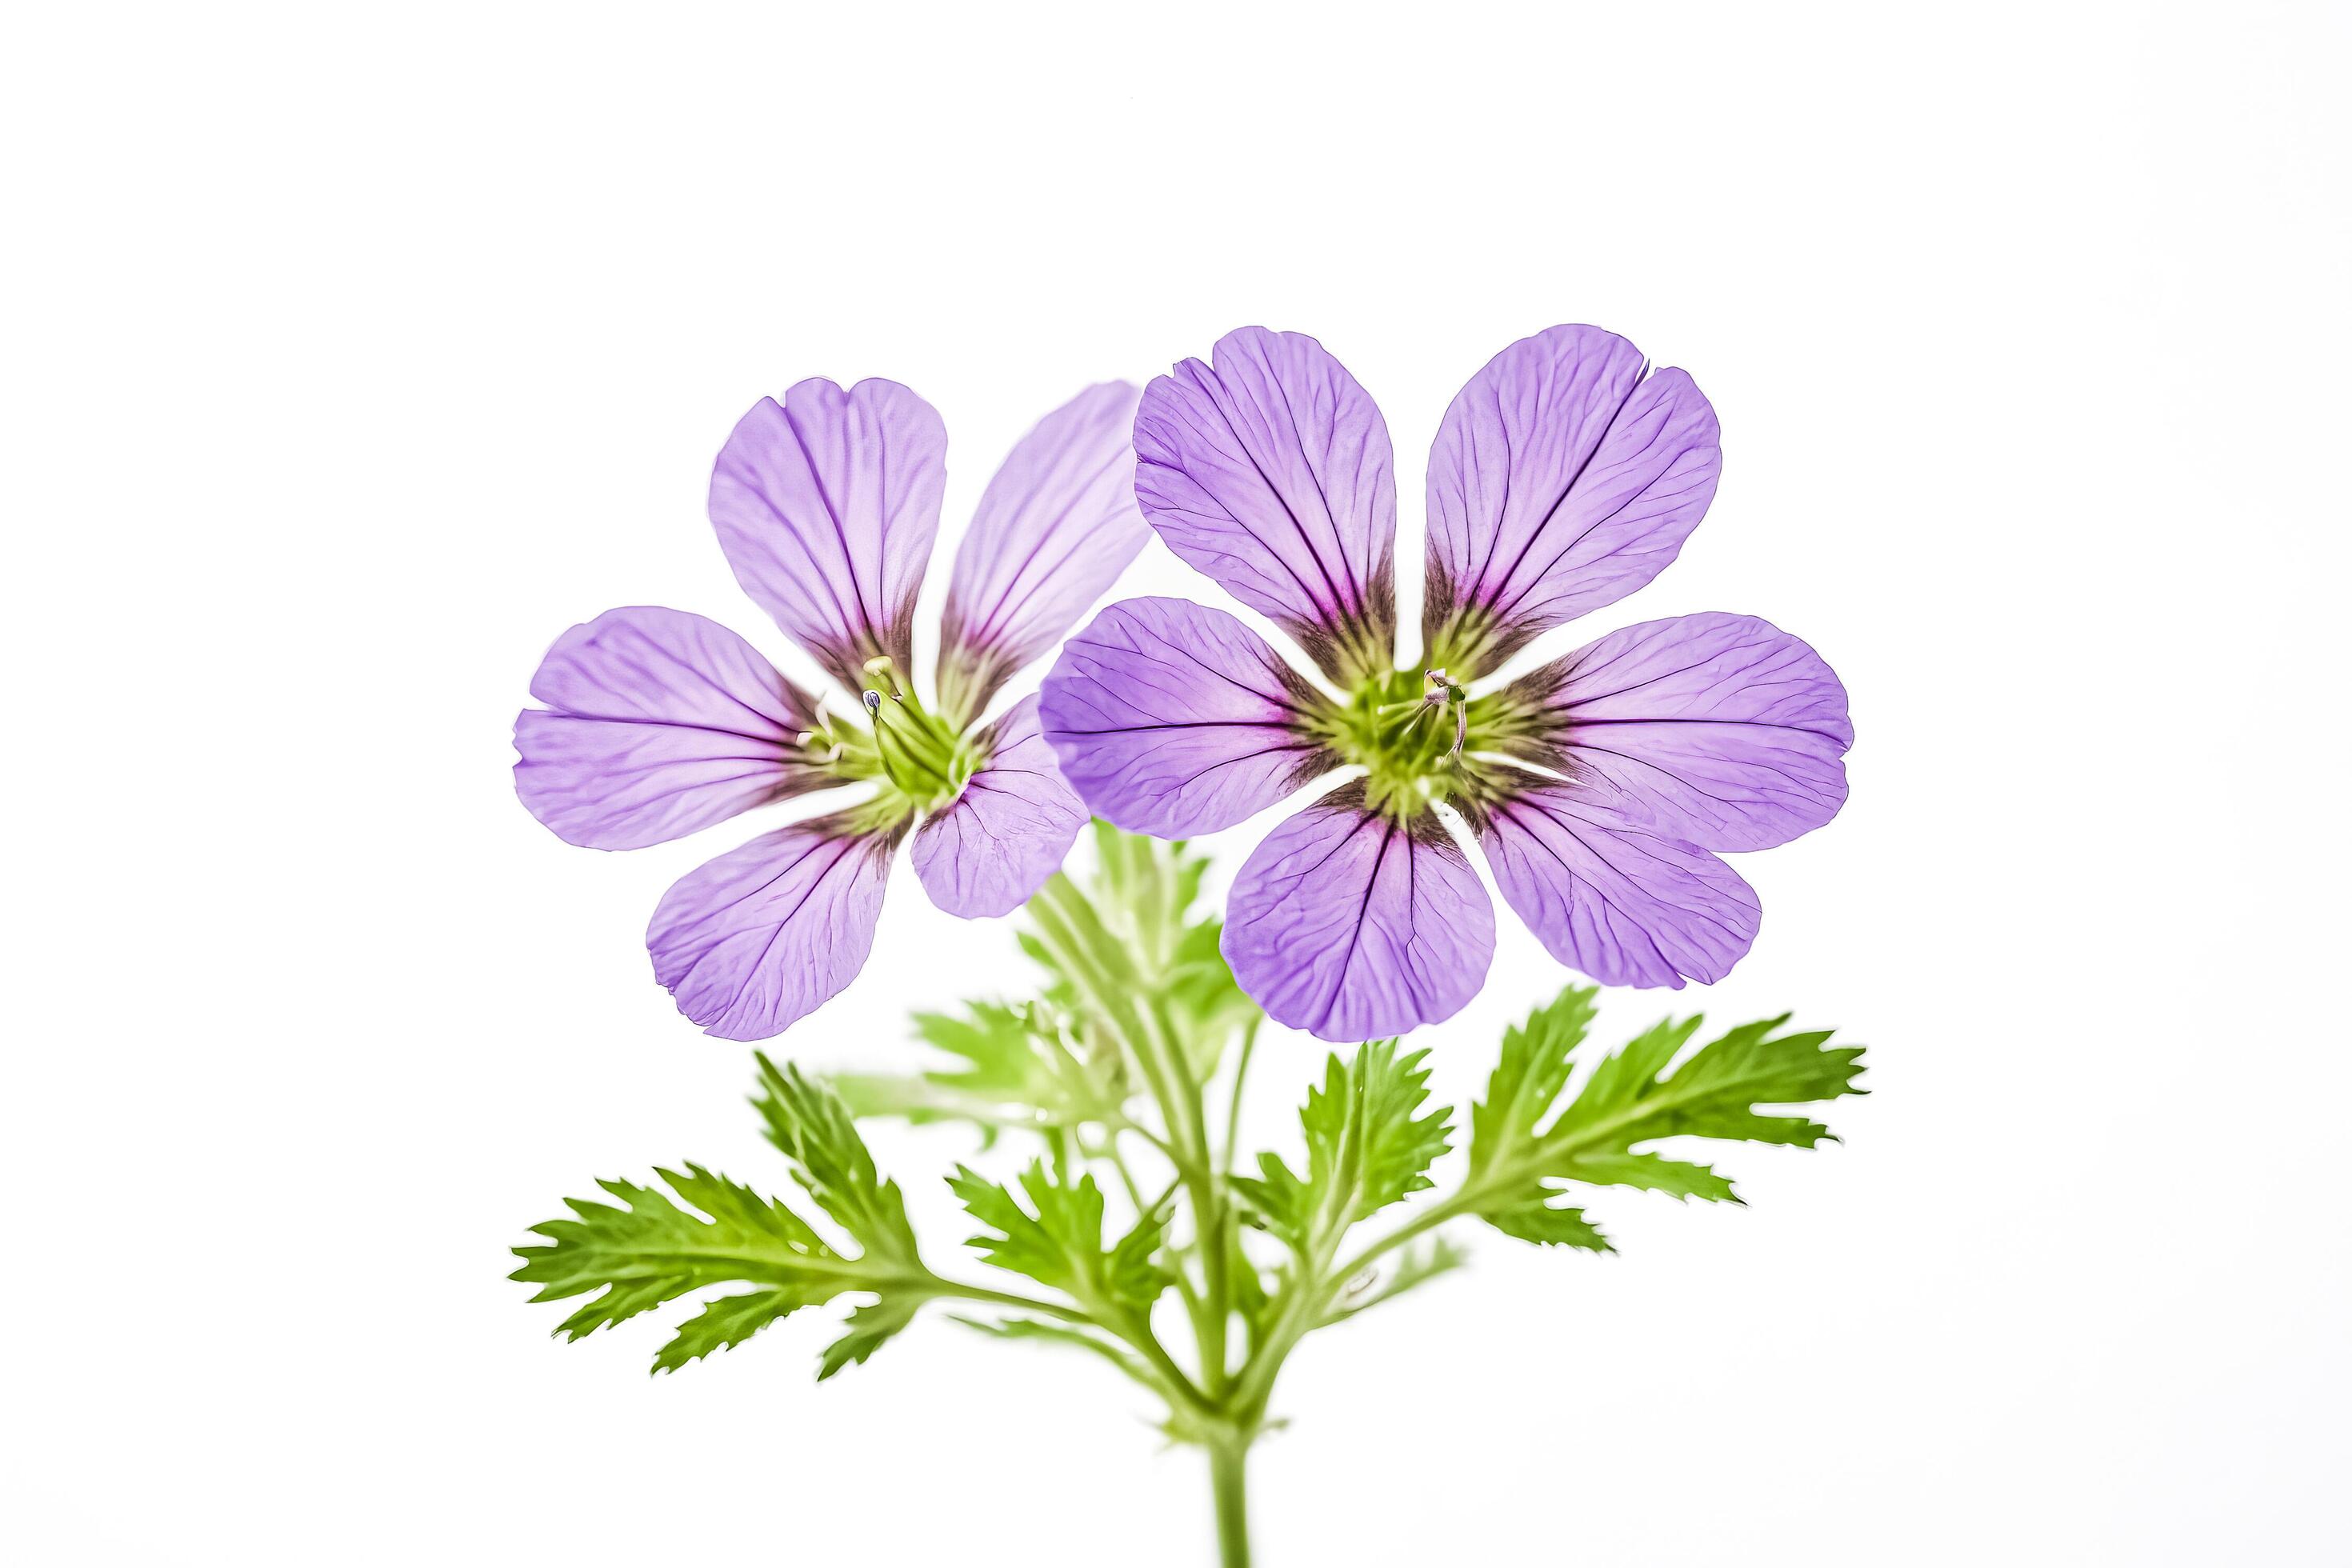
873	700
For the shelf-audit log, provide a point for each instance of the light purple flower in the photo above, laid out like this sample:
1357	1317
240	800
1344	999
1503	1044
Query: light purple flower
1600	787
659	722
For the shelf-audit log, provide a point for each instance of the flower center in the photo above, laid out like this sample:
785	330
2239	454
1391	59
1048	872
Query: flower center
921	761
922	756
1409	731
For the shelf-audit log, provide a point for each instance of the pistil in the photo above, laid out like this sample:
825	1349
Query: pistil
921	756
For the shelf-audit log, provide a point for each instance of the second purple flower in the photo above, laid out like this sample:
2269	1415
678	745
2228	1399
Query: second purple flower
659	722
1565	476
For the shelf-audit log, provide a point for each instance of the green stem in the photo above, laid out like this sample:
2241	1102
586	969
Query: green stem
1241	1076
1228	1480
1180	1109
1173	1385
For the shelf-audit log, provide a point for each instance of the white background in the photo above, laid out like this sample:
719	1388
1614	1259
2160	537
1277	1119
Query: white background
353	353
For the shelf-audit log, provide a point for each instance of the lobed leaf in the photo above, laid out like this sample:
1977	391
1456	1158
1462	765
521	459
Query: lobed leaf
1058	1239
1367	1147
708	1230
1525	1145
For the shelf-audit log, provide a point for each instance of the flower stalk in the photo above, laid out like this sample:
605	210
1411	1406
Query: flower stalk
1108	1071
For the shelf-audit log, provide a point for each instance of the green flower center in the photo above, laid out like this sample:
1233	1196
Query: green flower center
921	761
1413	732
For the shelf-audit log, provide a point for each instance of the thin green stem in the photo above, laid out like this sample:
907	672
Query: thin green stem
1228	1480
1061	912
1179	1106
1173	1383
1233	1108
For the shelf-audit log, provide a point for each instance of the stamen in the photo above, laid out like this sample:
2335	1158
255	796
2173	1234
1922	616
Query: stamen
881	665
1445	689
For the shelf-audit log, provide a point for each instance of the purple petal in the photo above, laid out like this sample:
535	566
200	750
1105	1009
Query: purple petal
657	722
1172	719
825	507
1353	926
1726	730
1007	832
1610	896
1056	525
1560	480
760	936
1269	470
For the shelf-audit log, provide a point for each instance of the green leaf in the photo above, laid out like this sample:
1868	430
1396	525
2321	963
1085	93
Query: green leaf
708	1230
1016	1071
1366	1147
1716	1092
1058	1239
655	1247
728	1321
1523	1149
813	1126
1534	1069
870	1325
1531	1217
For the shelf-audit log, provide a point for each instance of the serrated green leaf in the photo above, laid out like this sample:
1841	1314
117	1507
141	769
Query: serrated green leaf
1522	1149
1533	1218
706	1230
811	1125
1534	1069
726	1321
868	1326
1058	1239
1656	1172
1366	1147
1716	1092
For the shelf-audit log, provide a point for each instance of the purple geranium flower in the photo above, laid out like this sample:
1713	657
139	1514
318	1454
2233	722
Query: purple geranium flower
1565	476
659	722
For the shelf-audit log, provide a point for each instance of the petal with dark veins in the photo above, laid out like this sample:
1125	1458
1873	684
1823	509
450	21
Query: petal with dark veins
657	723
1728	731
760	937
1172	719
1269	469
1007	831
826	505
1563	478
1354	926
1609	896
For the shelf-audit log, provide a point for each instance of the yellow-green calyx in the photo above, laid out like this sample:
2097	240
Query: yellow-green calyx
919	759
1415	734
